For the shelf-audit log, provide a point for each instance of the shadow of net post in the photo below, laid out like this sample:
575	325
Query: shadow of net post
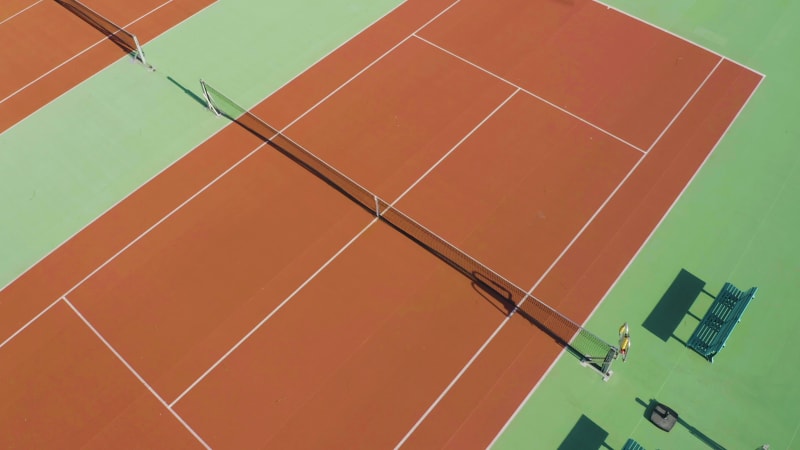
200	100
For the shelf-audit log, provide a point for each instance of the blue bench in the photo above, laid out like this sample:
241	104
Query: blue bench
717	324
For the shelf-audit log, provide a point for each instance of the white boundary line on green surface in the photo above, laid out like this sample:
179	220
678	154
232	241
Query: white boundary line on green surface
20	12
73	57
633	258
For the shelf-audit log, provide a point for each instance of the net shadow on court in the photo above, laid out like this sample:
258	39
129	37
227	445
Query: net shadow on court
579	342
113	32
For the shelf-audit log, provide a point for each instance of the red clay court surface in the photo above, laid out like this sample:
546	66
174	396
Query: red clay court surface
237	301
46	49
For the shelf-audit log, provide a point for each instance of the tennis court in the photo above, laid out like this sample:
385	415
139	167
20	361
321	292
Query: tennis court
47	49
238	300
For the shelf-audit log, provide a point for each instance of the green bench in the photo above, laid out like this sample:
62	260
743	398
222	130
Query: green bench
717	324
632	445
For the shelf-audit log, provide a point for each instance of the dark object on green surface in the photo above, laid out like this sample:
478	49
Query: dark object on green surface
663	417
717	324
674	305
585	435
630	444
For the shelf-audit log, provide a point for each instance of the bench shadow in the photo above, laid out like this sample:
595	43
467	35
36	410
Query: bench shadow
674	305
585	435
702	437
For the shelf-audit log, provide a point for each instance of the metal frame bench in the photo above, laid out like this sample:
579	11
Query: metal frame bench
722	316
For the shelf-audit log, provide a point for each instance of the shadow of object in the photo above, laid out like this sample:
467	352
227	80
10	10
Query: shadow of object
503	300
188	92
710	443
674	305
585	435
111	31
577	341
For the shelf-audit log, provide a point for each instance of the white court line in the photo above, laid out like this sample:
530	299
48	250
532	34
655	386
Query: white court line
81	53
458	144
329	96
565	111
133	371
94	75
325	56
680	111
336	255
108	261
28	323
163	219
545	274
190	151
20	11
633	258
273	312
187	153
182	204
135	240
368	66
638	19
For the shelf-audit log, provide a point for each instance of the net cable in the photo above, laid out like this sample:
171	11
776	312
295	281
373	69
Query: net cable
115	33
583	344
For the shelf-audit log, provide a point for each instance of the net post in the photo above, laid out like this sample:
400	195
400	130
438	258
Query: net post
377	207
207	98
605	369
139	51
117	34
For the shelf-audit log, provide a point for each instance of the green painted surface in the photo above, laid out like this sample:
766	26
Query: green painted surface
73	159
736	222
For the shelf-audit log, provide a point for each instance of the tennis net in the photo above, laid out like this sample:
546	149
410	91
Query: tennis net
115	33
585	345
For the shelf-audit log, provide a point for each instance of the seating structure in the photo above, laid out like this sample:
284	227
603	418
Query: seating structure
718	322
630	444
